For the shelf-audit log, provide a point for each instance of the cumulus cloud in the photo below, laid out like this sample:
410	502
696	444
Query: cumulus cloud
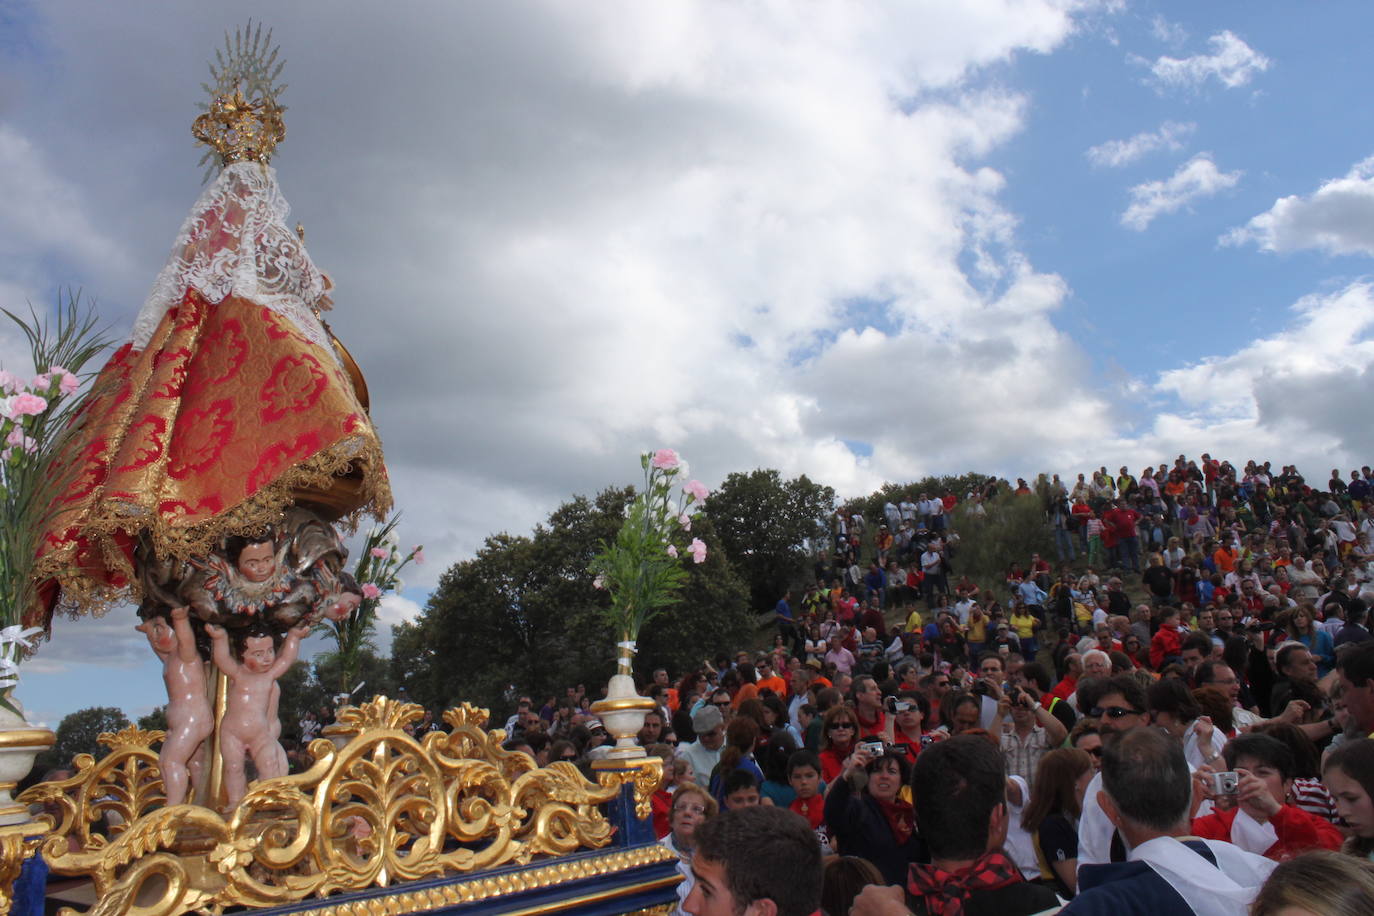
1116	153
1196	178
564	235
1298	393
1337	218
1232	62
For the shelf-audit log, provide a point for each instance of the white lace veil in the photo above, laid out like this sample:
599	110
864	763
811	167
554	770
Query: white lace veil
235	242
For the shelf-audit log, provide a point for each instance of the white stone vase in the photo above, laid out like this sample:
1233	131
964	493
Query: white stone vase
623	710
20	743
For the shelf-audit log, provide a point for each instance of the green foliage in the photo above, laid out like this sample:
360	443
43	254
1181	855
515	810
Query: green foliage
34	474
369	671
642	568
353	634
871	506
299	692
764	525
155	720
1013	528
77	734
524	616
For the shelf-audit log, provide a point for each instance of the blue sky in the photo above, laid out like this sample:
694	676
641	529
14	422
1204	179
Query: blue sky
862	242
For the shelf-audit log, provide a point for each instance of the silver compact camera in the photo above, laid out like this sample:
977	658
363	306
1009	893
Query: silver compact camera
1227	783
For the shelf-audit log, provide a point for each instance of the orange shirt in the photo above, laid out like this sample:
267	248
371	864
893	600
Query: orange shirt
1225	560
746	692
775	684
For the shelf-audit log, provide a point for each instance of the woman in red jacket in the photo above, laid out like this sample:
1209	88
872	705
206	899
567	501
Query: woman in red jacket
1259	820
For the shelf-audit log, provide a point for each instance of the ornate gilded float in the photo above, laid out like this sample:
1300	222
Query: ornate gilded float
383	824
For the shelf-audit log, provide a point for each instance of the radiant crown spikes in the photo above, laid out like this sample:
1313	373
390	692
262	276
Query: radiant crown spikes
239	127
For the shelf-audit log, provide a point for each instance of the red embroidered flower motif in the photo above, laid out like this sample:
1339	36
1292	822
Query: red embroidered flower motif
203	435
176	510
222	354
93	471
144	444
296	384
279	457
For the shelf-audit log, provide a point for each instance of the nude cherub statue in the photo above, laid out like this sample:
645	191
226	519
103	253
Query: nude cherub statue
250	725
189	717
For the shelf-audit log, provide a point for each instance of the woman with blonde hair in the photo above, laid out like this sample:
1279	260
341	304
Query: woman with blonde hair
1319	883
692	805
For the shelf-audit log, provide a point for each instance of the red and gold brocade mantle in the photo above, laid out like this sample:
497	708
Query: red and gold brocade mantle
226	417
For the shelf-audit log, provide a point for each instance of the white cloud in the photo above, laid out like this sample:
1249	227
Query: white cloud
1171	33
562	235
1297	393
1116	153
1198	177
1337	218
45	218
1232	63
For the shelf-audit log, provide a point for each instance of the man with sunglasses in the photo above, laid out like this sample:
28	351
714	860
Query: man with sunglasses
1121	708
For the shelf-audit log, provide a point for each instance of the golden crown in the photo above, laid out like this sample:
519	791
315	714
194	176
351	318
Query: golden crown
243	120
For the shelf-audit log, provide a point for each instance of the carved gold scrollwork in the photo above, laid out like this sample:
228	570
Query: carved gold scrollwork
644	773
114	792
15	847
384	808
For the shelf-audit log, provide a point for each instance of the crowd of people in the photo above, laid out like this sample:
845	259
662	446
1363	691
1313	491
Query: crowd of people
1049	738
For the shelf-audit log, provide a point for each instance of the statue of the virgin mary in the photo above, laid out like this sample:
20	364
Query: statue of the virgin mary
231	403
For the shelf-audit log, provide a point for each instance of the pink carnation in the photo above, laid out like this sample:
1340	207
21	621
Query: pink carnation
665	459
685	521
41	382
25	404
672	551
67	381
418	555
371	591
9	382
698	549
380	553
697	490
599	582
18	439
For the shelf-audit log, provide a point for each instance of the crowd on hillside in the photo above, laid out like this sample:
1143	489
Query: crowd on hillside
1078	732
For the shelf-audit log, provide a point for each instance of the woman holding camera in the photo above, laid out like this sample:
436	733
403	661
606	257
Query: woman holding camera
873	823
906	732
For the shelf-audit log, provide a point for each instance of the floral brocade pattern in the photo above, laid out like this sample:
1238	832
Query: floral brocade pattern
227	416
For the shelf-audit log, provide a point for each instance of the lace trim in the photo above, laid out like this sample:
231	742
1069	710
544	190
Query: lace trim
235	242
81	595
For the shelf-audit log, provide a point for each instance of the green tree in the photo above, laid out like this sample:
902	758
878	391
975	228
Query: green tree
765	526
155	720
77	734
299	692
372	672
1011	528
522	617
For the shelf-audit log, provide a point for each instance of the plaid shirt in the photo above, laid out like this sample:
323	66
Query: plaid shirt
1023	755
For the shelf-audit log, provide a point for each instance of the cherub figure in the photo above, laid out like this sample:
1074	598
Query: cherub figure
250	725
189	717
292	575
